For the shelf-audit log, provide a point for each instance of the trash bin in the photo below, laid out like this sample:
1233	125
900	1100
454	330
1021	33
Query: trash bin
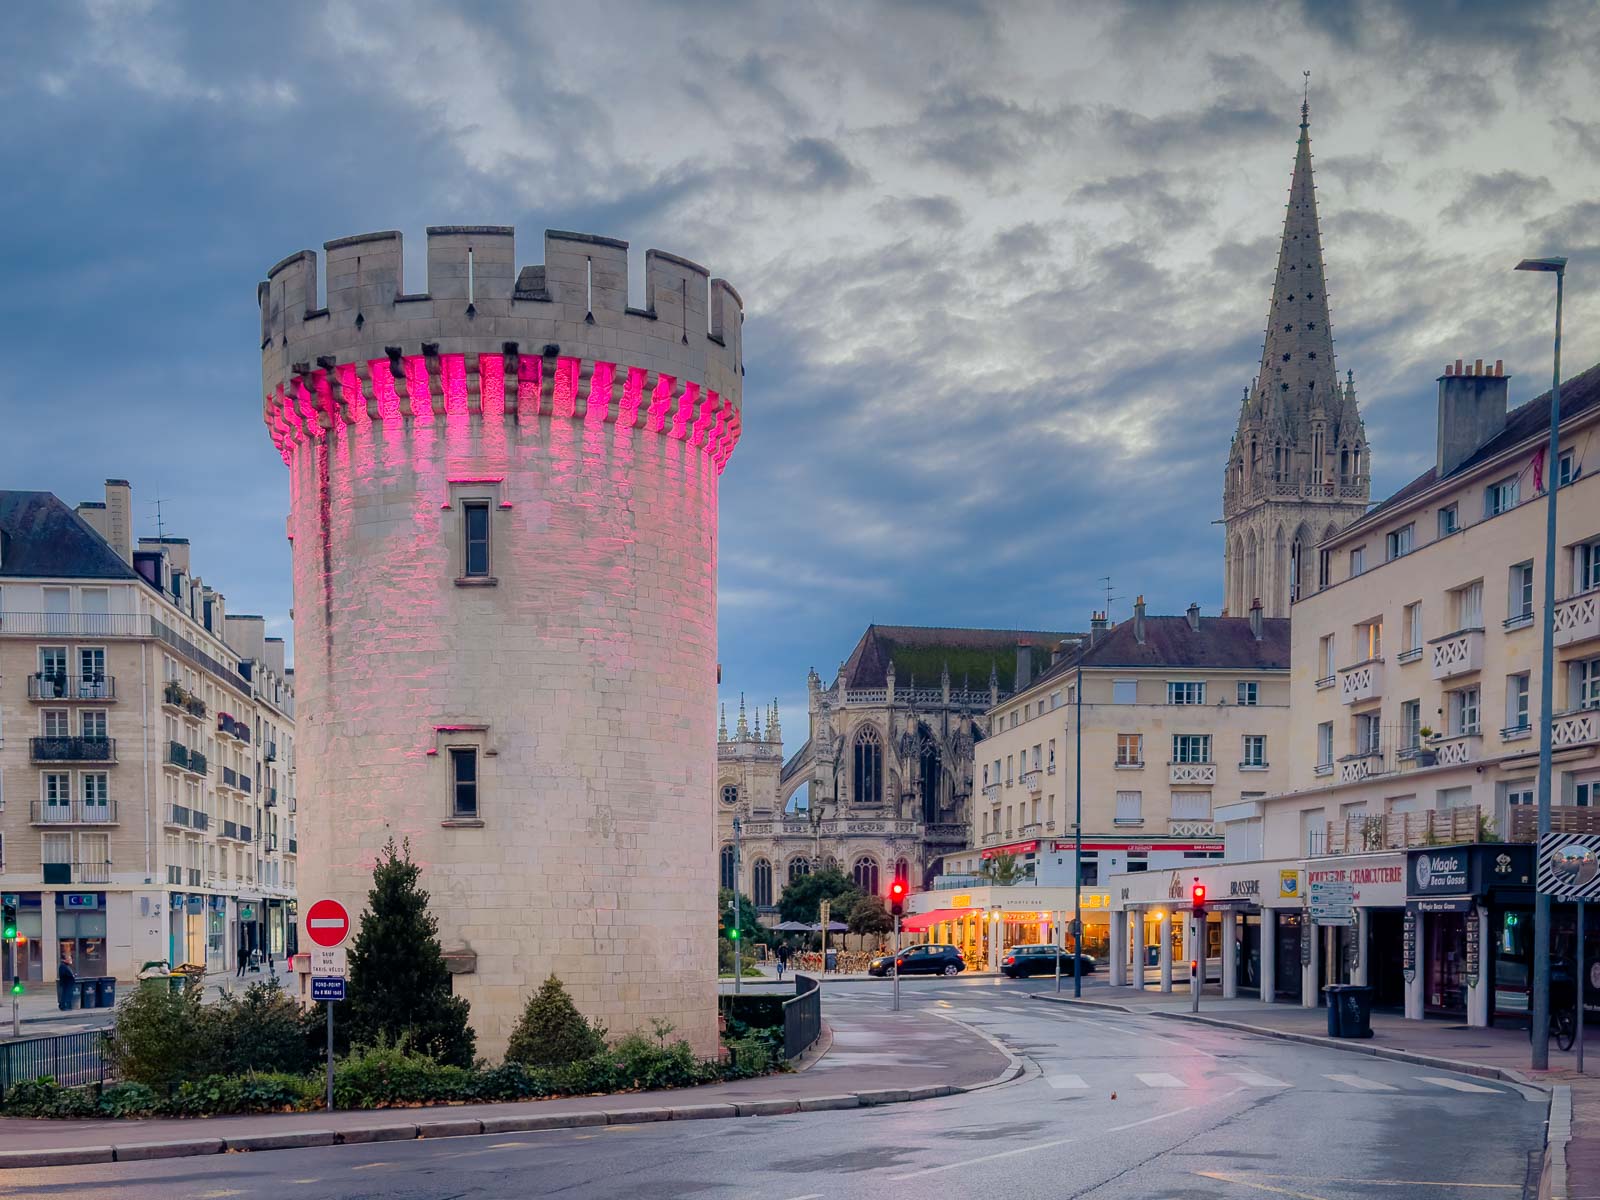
175	984
833	961
66	992
86	993
1349	1010
105	991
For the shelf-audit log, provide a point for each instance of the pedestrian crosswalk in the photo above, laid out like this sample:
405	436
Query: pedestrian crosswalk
1065	1081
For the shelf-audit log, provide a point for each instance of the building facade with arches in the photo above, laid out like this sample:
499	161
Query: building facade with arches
1299	469
882	785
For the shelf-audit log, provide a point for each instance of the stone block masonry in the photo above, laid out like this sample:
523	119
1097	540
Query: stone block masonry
503	510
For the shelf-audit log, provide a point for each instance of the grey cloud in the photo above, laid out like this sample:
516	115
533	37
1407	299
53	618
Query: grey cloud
1585	135
1023	241
1220	123
979	133
1351	171
822	165
943	212
1160	199
1499	194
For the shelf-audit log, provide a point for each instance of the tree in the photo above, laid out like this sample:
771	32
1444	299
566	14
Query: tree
871	915
552	1032
749	927
1002	869
801	897
399	985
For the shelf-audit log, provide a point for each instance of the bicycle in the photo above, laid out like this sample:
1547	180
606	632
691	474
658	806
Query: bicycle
1563	1027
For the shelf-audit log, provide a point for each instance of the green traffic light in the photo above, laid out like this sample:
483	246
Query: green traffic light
16	988
733	934
11	933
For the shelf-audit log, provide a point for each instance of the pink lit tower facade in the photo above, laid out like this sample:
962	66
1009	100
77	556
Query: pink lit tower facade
503	510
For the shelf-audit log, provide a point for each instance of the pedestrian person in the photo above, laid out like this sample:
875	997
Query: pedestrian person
244	959
783	957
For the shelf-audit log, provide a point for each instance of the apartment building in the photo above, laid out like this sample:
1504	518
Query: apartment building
147	806
1184	721
1416	701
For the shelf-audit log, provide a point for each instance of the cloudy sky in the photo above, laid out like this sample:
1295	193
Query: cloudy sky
1005	265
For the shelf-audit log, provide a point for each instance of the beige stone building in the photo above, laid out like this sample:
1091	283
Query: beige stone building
1184	718
503	509
1416	699
147	789
1299	467
883	782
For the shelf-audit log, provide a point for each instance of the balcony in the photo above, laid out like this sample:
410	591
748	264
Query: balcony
293	847
1189	773
1033	780
91	872
1327	681
1129	764
272	843
180	816
76	813
1458	748
197	762
1353	768
1459	653
1191	827
245	783
72	687
1564	818
1362	682
272	797
1409	656
229	779
230	726
1578	618
269	751
1031	830
989	839
72	749
1402	831
198	819
177	755
244	833
1575	728
230	830
991	791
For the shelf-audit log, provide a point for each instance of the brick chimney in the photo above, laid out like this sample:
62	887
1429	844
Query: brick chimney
1024	665
1472	409
1097	626
1255	618
119	518
1194	617
1138	619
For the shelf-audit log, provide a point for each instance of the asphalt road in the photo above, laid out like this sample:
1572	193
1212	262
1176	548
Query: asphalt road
1113	1106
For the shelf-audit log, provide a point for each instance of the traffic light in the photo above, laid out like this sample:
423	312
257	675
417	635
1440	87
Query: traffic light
1198	894
733	933
898	889
10	920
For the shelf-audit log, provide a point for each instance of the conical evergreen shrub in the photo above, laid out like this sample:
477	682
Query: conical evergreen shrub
552	1032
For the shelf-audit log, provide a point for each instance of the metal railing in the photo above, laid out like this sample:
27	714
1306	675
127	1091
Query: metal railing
72	749
71	687
71	1059
197	762
178	755
180	815
75	813
91	872
802	1016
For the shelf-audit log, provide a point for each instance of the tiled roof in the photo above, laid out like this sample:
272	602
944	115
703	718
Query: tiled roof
922	652
1579	395
44	538
1224	643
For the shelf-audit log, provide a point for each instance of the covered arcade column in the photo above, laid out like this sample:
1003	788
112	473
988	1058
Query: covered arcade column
1269	956
1310	965
1363	947
1119	948
1164	953
1230	954
1414	974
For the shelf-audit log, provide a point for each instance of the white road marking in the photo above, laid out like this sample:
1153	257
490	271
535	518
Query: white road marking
1365	1085
1159	1079
1459	1085
1158	1117
1066	1081
972	1162
1251	1079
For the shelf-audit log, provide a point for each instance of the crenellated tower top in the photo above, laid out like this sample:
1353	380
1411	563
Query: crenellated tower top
484	338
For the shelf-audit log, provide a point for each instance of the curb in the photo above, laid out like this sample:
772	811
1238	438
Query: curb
1558	1132
255	1143
811	1054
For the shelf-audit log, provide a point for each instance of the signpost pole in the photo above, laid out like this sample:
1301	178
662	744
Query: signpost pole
1060	949
16	1011
895	1006
1583	973
329	1004
1197	968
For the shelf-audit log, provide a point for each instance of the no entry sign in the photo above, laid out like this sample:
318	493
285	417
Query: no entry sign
327	923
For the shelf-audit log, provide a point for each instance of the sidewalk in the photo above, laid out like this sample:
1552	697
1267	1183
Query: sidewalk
874	1058
1501	1052
42	1017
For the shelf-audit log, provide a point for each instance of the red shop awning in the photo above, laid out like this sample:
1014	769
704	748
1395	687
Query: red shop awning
918	922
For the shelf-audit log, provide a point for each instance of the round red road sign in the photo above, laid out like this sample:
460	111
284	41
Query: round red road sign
327	923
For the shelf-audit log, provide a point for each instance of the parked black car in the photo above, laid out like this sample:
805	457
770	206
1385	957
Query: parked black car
1021	961
930	959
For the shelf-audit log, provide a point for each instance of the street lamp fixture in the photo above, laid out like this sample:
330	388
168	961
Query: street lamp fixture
1541	912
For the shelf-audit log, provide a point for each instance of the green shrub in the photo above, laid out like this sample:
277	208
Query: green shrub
511	1081
33	1097
264	1031
757	1010
160	1038
220	1094
751	1056
392	1073
552	1032
127	1100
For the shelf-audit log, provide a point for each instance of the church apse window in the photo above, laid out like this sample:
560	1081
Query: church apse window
730	794
727	868
865	873
868	775
761	883
798	869
931	781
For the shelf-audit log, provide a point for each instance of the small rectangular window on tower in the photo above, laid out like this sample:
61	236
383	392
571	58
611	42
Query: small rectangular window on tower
464	783
475	539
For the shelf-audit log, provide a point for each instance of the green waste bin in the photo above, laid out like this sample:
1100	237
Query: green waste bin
1349	1010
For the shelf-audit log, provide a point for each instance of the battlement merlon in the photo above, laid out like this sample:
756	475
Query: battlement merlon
477	300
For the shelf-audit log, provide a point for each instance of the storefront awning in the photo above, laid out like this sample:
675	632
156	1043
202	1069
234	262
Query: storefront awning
918	922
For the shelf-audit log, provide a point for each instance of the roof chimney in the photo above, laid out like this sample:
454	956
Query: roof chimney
1194	617
1472	409
1138	620
1024	665
1255	618
119	517
1097	626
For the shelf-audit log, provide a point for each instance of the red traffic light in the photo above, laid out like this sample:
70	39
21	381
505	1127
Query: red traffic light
1198	894
898	889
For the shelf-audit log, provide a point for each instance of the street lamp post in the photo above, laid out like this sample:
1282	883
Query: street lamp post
1077	839
737	973
1541	912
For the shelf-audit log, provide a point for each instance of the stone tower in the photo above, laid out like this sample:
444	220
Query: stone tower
503	510
1298	469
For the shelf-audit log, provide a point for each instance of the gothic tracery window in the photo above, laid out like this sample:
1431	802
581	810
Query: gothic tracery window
727	877
868	777
865	873
761	882
799	868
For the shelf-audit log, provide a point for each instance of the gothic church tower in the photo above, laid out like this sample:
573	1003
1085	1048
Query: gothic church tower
1298	470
